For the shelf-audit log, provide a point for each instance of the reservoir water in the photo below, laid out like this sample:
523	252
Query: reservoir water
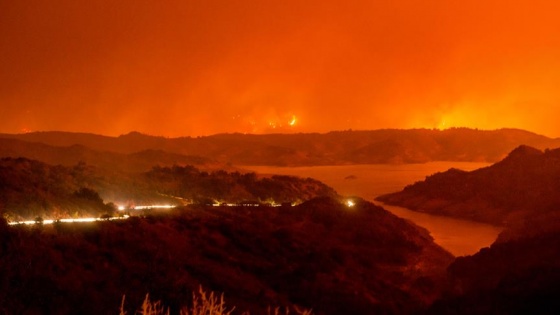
459	237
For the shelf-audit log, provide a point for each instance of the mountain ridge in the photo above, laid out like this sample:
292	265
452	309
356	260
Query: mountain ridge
383	146
123	162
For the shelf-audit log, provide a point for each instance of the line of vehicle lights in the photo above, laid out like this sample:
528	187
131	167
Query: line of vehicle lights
349	203
122	208
76	220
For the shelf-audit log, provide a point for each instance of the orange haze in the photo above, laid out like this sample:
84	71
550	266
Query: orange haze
186	67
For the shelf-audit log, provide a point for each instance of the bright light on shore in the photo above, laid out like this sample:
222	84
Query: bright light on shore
350	203
122	208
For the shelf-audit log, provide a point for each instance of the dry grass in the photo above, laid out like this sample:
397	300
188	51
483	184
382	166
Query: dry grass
203	303
148	307
298	311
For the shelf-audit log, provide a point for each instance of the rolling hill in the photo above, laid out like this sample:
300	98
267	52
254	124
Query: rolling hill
30	188
112	161
525	183
333	148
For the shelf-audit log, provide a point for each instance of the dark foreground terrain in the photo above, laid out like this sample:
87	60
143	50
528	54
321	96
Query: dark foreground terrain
520	272
321	254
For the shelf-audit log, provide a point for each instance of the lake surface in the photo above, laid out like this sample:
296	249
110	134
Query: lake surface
459	237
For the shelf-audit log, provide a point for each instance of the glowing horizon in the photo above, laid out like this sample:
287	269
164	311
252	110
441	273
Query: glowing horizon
191	68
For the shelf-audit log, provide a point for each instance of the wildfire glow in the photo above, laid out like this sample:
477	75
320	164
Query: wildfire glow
293	121
442	125
371	65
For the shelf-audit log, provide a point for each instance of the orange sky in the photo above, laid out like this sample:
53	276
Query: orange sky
191	67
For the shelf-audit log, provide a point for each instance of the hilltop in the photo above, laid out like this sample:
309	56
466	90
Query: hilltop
333	148
30	188
524	183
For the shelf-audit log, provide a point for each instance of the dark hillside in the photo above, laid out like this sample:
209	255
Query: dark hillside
111	161
518	274
525	183
31	188
191	183
321	255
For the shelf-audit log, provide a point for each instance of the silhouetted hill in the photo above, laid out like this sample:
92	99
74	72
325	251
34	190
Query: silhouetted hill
525	183
340	147
30	188
188	182
320	255
122	162
518	274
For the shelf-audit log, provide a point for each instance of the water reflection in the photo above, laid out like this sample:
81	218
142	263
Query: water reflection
459	237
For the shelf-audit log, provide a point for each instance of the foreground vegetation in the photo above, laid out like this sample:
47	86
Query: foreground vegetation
204	303
31	189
